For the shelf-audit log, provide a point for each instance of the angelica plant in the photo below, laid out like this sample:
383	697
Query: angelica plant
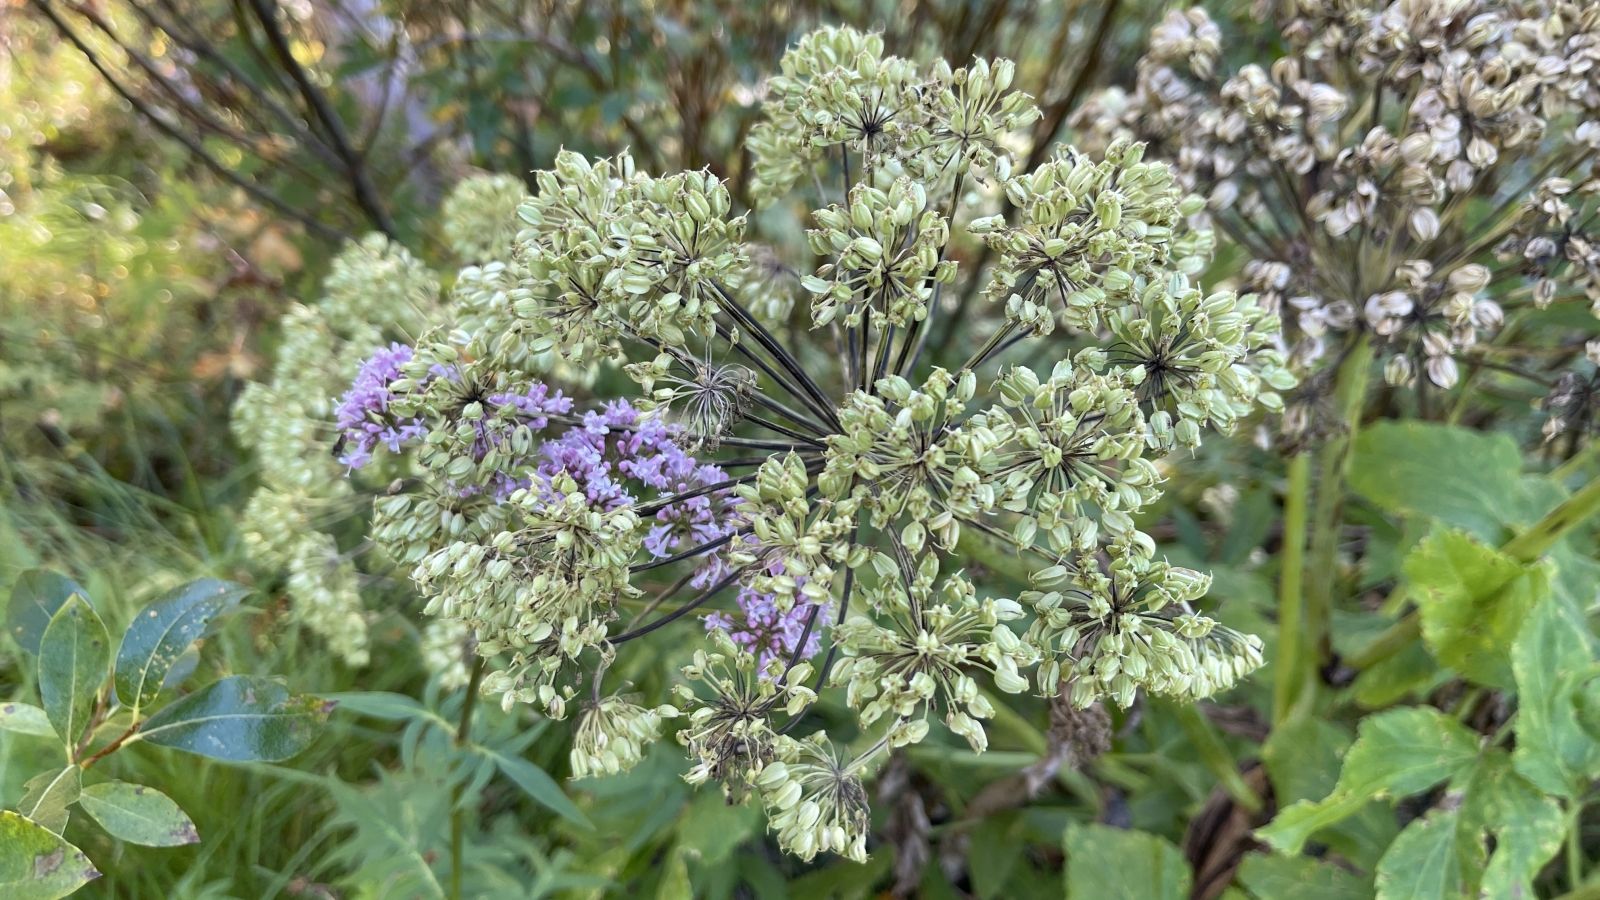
786	489
1403	179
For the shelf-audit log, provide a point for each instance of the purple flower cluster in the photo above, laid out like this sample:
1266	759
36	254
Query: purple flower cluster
363	413
616	454
769	632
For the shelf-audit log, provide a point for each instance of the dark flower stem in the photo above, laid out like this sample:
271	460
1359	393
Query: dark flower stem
463	732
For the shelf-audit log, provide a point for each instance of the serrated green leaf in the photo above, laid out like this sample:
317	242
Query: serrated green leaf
1472	600
1527	825
138	814
1105	863
24	718
242	718
1271	877
47	796
1303	758
74	656
538	785
1551	659
35	598
1432	859
1396	753
36	864
162	631
1461	477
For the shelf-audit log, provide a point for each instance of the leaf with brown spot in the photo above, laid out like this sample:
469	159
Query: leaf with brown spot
36	864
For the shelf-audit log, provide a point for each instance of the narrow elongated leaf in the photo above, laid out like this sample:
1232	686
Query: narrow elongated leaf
35	597
1551	659
1397	753
1432	859
46	797
1105	863
242	718
162	631
36	864
381	705
537	784
74	655
138	814
24	718
1473	600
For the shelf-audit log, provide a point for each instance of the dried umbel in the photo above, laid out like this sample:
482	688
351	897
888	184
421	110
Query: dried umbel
1411	172
816	517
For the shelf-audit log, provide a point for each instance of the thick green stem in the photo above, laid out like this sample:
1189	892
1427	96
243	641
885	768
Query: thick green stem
463	734
1293	672
1526	547
1350	392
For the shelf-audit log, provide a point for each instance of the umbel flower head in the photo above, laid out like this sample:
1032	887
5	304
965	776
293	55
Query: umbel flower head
811	492
1408	174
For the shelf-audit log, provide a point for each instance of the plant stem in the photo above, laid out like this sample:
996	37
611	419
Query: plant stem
1350	391
1214	755
1292	669
1526	547
457	824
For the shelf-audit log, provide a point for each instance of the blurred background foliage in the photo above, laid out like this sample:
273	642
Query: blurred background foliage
174	173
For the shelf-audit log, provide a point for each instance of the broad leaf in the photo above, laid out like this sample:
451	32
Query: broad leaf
538	785
162	631
1397	753
242	718
1472	600
1526	823
35	597
1303	757
47	796
138	814
73	657
1551	659
1462	477
36	864
24	718
1105	863
1432	859
1300	877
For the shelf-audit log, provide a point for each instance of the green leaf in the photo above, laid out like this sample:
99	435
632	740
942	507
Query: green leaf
1526	823
675	880
1465	478
1303	757
711	828
46	797
74	655
1551	660
36	864
24	718
538	785
1396	753
138	814
1273	877
242	718
35	597
1472	600
162	631
381	705
1105	863
1432	859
